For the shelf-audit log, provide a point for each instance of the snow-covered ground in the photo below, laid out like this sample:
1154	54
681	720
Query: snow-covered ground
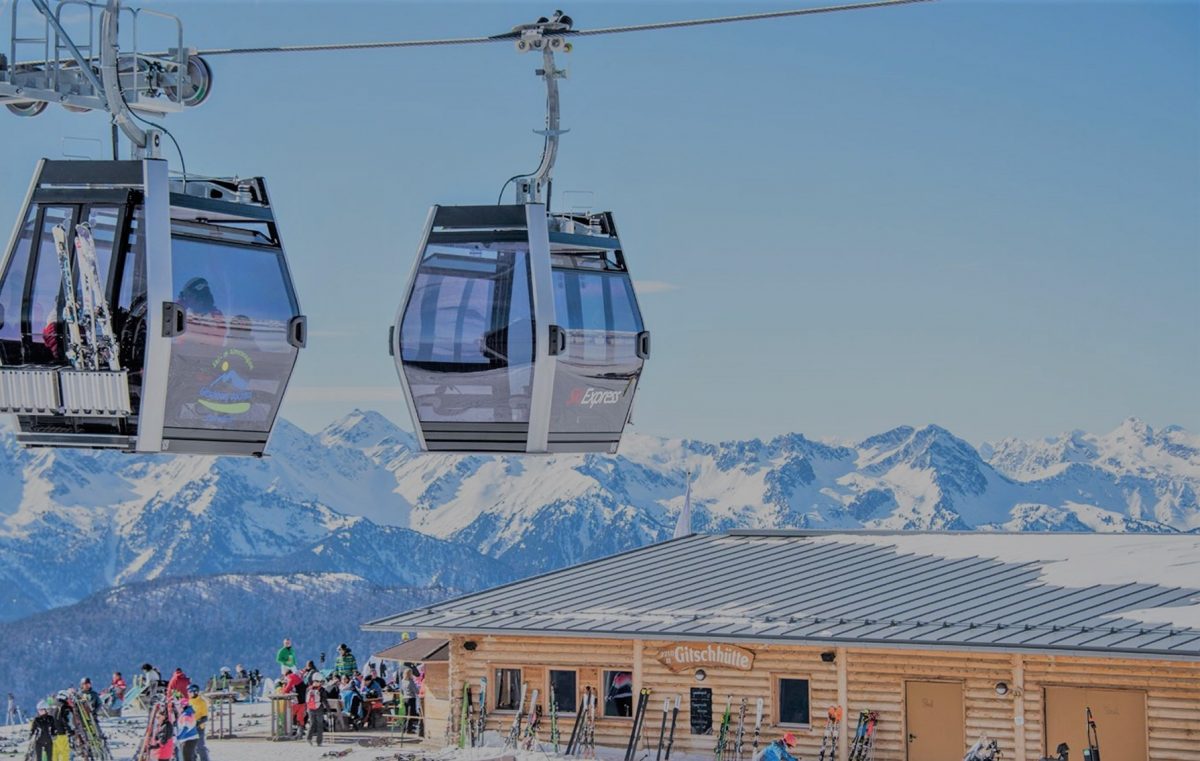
252	726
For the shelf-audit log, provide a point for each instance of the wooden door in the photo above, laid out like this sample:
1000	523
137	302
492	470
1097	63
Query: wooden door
1120	721
933	713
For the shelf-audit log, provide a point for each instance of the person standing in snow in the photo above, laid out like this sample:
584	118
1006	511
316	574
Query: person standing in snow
286	657
346	664
164	739
61	734
316	710
186	733
200	705
409	690
41	733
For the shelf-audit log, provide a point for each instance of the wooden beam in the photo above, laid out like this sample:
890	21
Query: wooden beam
1018	686
843	701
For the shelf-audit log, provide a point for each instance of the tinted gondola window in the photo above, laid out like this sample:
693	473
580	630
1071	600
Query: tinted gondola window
12	293
467	340
47	338
595	301
230	366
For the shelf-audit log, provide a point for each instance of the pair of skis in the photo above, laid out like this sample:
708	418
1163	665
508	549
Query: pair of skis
662	730
526	738
91	343
723	730
735	751
862	747
472	724
579	731
89	742
639	720
829	740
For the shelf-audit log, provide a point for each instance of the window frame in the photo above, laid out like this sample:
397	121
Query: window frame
494	696
602	714
550	684
777	697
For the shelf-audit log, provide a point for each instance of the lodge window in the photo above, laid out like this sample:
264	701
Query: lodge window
563	686
618	693
792	701
508	689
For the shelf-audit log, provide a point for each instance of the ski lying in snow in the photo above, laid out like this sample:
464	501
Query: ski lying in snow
829	740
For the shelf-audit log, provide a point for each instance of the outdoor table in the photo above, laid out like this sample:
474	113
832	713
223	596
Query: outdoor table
221	708
282	726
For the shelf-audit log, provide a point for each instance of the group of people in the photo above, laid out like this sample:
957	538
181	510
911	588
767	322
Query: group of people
180	727
357	692
58	720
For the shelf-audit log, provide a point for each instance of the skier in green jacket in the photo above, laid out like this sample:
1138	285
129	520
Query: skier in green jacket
346	664
286	657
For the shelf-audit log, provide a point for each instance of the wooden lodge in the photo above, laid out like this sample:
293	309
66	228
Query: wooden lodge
946	637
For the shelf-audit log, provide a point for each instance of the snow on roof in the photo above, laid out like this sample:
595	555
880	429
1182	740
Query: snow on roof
1116	594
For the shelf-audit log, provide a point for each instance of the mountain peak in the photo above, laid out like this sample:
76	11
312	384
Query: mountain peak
361	429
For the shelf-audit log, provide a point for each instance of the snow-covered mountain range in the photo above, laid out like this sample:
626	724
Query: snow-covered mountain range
107	560
356	498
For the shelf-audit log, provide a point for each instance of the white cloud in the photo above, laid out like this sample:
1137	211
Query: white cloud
317	394
653	286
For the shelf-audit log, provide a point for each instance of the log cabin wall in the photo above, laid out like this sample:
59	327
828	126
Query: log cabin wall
858	678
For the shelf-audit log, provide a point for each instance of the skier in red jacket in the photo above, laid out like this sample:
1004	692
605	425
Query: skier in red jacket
178	685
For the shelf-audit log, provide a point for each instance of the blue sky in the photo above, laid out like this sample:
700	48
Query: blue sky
979	214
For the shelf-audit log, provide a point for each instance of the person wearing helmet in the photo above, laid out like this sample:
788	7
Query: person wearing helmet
199	705
41	733
315	701
780	750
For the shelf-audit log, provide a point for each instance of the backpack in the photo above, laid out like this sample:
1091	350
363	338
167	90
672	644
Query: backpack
314	698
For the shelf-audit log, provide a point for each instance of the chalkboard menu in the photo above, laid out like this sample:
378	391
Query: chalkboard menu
701	711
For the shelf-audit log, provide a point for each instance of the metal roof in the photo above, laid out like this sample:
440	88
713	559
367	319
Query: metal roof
418	650
938	590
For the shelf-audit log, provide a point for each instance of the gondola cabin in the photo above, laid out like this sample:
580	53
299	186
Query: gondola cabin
520	332
143	313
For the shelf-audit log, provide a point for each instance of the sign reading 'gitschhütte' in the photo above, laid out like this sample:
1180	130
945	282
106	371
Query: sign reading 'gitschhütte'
693	655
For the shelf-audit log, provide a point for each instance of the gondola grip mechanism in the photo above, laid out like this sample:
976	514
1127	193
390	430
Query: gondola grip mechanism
298	331
174	319
558	341
643	345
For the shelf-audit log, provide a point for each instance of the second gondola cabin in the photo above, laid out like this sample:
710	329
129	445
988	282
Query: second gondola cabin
520	332
144	313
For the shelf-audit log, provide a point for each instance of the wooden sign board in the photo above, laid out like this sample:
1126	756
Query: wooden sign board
698	655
